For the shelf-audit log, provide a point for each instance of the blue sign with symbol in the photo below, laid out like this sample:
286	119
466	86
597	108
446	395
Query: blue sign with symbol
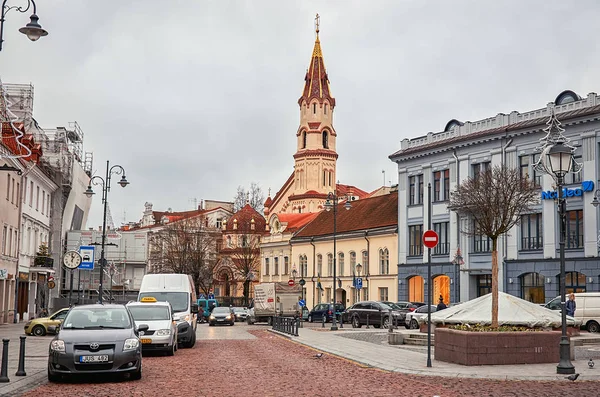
211	296
359	283
202	296
302	302
87	257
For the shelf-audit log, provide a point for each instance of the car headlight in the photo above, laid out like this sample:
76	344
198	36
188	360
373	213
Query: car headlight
131	344
163	332
58	346
211	317
184	318
228	317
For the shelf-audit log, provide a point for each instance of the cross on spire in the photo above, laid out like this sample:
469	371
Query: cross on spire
317	23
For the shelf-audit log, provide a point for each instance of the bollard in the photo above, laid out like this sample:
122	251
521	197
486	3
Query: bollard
341	321
21	370
390	322
367	321
298	324
323	321
4	368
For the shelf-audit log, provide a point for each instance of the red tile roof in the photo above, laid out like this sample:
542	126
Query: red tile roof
296	221
316	80
371	213
344	190
244	218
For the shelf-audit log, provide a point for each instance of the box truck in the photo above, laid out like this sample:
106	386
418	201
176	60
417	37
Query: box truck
271	299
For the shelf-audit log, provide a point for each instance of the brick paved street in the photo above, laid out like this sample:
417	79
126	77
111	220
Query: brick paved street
253	361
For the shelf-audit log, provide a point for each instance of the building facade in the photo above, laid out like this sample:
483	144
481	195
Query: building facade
528	254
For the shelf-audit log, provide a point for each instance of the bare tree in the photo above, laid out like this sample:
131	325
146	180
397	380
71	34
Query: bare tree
493	200
186	246
254	196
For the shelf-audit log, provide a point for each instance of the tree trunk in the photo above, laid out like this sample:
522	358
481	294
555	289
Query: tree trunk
246	291
494	283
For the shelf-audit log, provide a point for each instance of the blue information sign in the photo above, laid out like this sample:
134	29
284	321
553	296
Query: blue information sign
359	283
302	302
211	296
87	257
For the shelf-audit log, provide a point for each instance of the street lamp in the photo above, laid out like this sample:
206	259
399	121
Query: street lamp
33	30
105	183
559	159
331	203
294	274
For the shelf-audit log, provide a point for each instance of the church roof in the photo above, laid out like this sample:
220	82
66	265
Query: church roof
316	81
295	221
243	218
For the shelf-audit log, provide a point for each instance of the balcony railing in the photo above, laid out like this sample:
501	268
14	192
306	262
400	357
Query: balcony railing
532	243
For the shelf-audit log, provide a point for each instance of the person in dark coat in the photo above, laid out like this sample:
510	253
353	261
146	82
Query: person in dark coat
441	305
571	305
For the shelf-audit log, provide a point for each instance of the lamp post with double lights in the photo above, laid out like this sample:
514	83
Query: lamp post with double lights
331	203
105	183
33	30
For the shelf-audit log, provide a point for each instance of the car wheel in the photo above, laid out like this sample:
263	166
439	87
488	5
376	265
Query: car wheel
211	324
406	325
355	322
310	318
593	326
38	330
137	375
233	323
386	322
414	324
172	349
192	342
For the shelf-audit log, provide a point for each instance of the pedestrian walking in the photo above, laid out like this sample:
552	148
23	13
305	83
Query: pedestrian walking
441	305
571	305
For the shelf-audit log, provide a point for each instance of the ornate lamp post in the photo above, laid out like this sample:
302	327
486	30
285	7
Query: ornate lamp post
331	203
105	183
33	30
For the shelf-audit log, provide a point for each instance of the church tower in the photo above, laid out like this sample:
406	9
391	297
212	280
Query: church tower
315	158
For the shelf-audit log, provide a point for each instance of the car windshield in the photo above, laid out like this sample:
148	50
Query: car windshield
178	300
149	313
102	317
385	306
239	310
218	310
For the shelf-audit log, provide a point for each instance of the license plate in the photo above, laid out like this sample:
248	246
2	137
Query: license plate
93	359
146	340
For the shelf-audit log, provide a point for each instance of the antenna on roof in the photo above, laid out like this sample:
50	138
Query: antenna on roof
383	172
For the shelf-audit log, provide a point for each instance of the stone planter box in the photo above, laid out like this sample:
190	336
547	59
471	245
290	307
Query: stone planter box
493	348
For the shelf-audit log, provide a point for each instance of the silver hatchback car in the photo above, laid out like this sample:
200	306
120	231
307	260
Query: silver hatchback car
162	330
96	339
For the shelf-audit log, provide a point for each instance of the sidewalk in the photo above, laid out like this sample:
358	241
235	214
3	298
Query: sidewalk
36	360
414	361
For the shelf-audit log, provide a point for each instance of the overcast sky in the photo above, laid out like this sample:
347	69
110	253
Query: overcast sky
194	98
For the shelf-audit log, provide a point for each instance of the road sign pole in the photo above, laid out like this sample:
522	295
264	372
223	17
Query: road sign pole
429	292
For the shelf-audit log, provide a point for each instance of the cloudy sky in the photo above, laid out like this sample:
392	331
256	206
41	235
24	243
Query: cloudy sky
194	98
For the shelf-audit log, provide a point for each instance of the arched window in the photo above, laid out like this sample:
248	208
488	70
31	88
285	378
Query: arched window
532	288
314	108
341	264
266	266
329	265
319	265
365	262
574	282
303	266
416	290
384	261
303	139
325	109
353	262
325	140
286	265
276	266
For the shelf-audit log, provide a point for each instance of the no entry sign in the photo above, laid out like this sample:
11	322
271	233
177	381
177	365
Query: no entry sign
291	282
430	239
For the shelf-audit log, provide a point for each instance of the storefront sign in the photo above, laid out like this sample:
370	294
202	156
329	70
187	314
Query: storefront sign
23	276
3	274
586	186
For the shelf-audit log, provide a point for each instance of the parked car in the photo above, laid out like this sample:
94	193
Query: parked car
373	313
240	313
39	326
100	338
221	315
162	331
412	319
325	310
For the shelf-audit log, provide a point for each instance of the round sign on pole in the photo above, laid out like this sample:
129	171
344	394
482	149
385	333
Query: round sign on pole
291	283
430	239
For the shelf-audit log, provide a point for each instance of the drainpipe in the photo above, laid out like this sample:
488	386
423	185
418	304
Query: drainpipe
504	247
367	264
457	266
312	239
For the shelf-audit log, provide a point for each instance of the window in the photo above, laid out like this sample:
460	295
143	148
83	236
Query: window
325	109
484	284
286	265
266	266
575	282
303	139
384	261
245	241
7	187
314	108
383	294
25	190
43	201
329	265
31	194
275	266
537	176
353	262
531	232
4	237
443	247
16	244
480	168
330	174
420	189
319	265
37	199
219	223
303	266
341	264
12	195
411	190
325	140
574	229
9	237
574	177
481	243
415	248
415	189
524	167
532	288
365	262
18	194
441	185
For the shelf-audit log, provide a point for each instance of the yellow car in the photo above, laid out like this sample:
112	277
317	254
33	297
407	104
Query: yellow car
39	326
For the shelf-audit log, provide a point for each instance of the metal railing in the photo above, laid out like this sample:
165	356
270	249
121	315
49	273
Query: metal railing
287	325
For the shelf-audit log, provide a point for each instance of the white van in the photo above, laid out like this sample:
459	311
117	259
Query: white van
180	292
587	309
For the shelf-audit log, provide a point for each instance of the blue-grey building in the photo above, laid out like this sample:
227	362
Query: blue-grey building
528	255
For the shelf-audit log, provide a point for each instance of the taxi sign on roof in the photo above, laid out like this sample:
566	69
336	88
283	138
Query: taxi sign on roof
148	299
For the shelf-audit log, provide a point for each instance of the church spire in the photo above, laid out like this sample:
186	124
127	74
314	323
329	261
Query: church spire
316	81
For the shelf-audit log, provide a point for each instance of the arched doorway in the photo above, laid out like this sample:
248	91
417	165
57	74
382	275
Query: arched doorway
532	288
416	289
340	296
441	287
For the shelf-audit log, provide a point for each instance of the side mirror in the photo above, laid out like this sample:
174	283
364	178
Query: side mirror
143	327
194	308
52	329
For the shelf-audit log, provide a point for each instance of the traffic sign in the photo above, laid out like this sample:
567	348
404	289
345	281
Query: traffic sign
87	255
302	302
211	296
302	282
359	283
430	239
291	282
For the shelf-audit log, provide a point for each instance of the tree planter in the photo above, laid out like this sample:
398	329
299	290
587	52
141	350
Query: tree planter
493	348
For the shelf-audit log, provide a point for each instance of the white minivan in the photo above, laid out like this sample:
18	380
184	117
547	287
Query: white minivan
180	292
587	309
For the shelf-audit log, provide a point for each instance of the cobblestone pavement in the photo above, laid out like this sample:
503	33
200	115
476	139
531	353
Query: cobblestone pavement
255	362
